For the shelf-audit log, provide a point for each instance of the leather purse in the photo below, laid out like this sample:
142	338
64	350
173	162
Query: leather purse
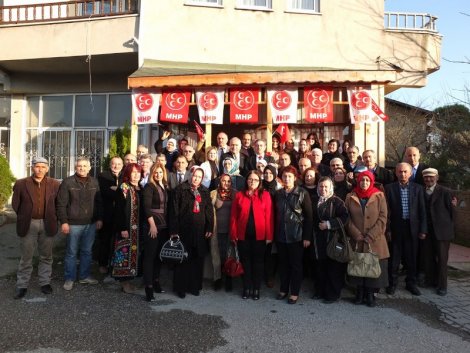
232	265
339	248
173	251
364	264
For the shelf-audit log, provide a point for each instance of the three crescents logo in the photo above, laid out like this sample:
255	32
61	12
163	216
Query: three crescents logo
208	101
176	100
281	100
144	102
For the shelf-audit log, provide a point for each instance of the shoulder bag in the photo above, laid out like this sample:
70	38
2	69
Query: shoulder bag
339	248
173	251
232	265
364	264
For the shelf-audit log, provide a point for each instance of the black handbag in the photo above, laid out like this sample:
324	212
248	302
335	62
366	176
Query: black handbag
173	251
339	248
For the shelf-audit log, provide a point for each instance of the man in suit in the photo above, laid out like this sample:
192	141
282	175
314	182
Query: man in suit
222	140
181	173
34	203
382	175
234	152
259	154
412	156
406	224
353	161
440	208
247	150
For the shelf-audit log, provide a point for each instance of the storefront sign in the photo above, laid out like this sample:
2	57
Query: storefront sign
210	105
244	105
145	106
175	106
363	109
283	104
318	103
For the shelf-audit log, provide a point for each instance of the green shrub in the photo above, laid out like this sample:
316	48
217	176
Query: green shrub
119	145
6	181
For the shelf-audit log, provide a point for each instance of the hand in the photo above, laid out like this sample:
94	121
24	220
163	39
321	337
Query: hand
454	201
208	235
306	243
269	241
422	236
65	228
323	225
114	188
350	176
360	238
388	236
99	225
125	234
165	135
153	231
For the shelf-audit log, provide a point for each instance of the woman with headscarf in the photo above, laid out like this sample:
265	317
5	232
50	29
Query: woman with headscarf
211	169
367	209
231	167
328	212
191	218
222	199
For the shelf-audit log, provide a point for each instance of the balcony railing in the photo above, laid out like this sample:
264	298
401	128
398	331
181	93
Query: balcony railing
410	21
60	11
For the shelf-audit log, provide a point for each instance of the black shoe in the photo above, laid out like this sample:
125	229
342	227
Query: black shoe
370	299
292	300
413	289
391	290
217	284
195	293
245	294
46	289
281	296
149	294
256	294
359	299
157	288
182	295
20	293
329	301
441	292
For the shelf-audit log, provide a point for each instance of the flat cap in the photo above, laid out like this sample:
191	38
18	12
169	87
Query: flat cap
430	172
37	160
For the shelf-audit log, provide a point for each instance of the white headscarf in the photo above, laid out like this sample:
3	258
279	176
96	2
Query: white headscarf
329	193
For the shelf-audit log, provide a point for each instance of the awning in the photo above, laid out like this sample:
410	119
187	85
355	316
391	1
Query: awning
158	73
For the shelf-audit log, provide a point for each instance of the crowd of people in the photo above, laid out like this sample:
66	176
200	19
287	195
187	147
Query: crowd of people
280	209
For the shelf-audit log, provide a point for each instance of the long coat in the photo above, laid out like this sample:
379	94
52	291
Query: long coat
191	227
442	213
372	222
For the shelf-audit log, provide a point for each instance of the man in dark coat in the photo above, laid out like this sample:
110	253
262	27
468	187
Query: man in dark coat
440	208
34	203
234	152
406	224
412	156
382	176
259	154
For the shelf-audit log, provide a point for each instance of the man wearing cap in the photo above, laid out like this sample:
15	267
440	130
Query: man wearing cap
34	203
440	208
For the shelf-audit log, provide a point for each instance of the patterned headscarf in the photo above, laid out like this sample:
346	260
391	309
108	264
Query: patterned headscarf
234	170
329	193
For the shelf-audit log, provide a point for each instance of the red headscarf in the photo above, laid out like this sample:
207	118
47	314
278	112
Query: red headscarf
365	194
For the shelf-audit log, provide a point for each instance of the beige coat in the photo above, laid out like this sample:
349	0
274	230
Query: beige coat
371	222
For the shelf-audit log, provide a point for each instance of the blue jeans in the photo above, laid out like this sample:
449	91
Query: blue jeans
80	237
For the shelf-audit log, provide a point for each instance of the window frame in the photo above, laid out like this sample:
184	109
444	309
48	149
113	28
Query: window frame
292	9
240	6
204	3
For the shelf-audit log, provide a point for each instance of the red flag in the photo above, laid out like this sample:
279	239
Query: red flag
283	132
199	130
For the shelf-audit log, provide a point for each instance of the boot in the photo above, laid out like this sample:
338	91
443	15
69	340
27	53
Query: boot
370	298
149	294
127	287
359	295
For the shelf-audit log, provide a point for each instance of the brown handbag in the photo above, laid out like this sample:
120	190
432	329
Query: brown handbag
364	264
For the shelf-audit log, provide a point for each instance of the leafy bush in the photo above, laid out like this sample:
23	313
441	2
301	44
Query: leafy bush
6	181
119	145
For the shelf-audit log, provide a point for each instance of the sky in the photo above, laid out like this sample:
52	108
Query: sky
447	85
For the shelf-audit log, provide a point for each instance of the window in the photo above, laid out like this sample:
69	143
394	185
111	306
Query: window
255	4
214	3
303	5
90	111
120	109
57	111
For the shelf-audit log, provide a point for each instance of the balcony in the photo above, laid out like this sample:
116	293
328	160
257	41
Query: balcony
67	10
402	21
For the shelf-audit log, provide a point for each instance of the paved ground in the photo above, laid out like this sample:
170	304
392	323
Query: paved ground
103	319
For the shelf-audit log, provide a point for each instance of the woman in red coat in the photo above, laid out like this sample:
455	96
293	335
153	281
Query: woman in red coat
251	226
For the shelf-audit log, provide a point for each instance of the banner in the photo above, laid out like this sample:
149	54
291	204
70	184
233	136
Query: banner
210	105
283	103
244	105
175	106
318	104
283	132
145	106
363	109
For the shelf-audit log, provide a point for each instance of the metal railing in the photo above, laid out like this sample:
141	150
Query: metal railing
60	11
410	21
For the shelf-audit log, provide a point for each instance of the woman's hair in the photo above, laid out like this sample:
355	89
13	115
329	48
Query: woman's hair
260	184
210	148
305	173
314	135
290	169
306	142
155	166
126	173
342	169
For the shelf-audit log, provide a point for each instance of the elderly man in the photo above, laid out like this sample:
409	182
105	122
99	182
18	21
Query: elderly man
412	157
317	156
247	149
79	209
129	158
222	147
34	203
188	153
335	163
259	154
382	176
406	224
141	149
304	164
440	210
234	152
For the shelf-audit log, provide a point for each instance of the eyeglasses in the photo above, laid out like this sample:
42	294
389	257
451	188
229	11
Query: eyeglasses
253	180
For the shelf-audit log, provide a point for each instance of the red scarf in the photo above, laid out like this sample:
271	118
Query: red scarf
365	194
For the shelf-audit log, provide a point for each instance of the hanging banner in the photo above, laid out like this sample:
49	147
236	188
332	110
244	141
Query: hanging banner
175	106
244	105
318	104
145	106
283	103
363	109
210	106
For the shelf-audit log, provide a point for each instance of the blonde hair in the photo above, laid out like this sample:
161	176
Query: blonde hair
155	166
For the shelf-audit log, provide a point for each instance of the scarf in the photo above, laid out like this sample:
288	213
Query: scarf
270	185
234	170
223	194
365	194
197	200
322	199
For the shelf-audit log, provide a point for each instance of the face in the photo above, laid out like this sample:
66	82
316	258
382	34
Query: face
158	174
226	182
142	150
246	140
161	160
146	164
311	139
268	175
336	164
290	145
188	152
317	156
196	179
235	146
135	177
364	184
412	156
289	180
303	146
253	182
323	188
181	164
260	147
310	178
339	175
346	146
430	180
116	165
332	147
275	142
82	168
403	173
40	170
182	144
352	154
369	159
222	139
129	158
260	167
304	163
228	164
212	155
284	160
170	146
